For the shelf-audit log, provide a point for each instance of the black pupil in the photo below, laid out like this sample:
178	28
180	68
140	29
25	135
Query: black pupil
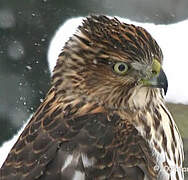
121	67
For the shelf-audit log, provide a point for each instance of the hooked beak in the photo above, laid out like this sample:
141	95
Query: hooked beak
158	78
159	81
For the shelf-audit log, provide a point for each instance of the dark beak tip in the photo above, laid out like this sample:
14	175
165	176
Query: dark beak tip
162	81
165	89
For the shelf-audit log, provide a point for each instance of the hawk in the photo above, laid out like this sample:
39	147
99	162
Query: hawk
104	116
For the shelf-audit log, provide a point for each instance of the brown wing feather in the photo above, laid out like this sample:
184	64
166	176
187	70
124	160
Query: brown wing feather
54	132
34	148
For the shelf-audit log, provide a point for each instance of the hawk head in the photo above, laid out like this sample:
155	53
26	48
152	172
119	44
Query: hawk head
114	64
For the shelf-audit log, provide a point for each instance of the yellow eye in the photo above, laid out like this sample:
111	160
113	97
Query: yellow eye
120	68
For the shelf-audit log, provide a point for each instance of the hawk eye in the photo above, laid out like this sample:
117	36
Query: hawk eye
120	68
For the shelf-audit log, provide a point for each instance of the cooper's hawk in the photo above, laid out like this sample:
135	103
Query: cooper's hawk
104	116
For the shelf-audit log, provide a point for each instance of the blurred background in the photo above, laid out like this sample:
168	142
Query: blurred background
26	28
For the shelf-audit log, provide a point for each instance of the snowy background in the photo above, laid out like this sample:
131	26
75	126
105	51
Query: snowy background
172	39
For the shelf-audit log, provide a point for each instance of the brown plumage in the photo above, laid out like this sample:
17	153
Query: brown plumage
104	116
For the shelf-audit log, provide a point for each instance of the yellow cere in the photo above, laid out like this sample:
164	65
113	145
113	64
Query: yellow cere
156	67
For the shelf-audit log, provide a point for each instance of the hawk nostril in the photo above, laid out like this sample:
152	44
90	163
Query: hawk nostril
154	72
